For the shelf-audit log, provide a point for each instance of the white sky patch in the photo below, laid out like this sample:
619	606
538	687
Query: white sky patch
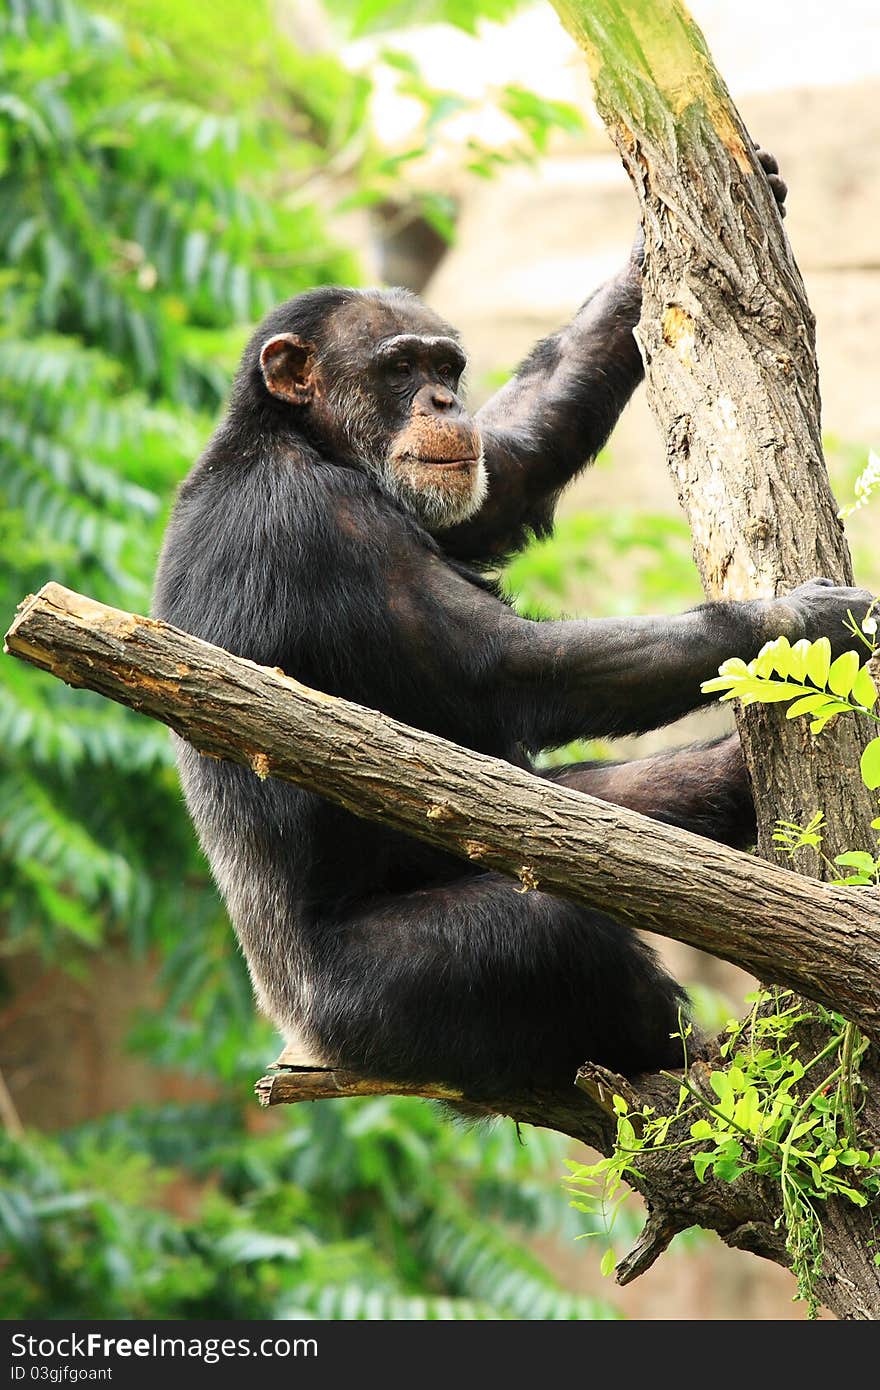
759	45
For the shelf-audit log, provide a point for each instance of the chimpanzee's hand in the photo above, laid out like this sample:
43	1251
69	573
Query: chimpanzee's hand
819	609
778	186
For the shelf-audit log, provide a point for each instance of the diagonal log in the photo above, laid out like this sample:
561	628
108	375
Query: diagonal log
822	941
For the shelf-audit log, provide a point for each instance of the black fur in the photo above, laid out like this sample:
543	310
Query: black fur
384	954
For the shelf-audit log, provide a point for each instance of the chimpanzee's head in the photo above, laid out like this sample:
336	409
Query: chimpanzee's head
373	378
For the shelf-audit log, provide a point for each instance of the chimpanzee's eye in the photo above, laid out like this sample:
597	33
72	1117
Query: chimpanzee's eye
447	373
402	368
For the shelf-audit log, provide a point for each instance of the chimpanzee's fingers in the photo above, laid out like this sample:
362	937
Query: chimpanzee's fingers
779	188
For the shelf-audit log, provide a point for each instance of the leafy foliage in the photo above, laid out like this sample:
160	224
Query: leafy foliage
659	574
820	689
138	236
765	1112
361	1211
376	16
769	1111
866	485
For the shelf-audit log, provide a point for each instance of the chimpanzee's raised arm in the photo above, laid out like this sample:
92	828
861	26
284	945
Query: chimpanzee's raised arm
559	408
553	417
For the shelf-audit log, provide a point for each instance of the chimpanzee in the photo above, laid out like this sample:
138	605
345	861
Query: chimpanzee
340	525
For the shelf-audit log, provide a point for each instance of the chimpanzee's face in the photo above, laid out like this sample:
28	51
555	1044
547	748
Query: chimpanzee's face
381	390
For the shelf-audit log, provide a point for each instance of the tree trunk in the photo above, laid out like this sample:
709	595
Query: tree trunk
728	341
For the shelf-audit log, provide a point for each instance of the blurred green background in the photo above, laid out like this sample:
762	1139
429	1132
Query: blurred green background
168	171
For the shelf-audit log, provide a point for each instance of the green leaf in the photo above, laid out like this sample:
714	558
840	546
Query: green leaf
608	1261
727	1165
833	708
626	1135
858	859
804	1127
748	1111
819	662
773	656
720	1083
702	1162
843	672
769	692
864	691
661	1132
809	704
869	765
724	682
858	1199
734	666
798	658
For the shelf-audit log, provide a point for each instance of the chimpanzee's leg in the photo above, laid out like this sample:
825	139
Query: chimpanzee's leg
488	988
703	788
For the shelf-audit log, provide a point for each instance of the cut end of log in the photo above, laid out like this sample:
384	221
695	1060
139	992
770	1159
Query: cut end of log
290	1084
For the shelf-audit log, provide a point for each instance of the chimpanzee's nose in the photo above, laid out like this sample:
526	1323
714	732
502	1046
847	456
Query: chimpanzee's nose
436	399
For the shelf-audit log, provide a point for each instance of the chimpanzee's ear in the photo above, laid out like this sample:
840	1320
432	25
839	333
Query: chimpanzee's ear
287	364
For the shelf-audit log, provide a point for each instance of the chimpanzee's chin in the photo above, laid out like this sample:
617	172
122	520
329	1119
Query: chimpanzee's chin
444	497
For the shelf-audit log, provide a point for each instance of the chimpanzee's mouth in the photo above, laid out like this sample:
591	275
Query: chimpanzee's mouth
468	462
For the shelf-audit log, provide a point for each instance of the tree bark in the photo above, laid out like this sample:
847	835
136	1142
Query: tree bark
728	341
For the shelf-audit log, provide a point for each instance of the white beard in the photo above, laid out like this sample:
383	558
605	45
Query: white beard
436	505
